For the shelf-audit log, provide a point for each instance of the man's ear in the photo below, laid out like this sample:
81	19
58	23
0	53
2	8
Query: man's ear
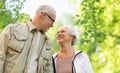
43	14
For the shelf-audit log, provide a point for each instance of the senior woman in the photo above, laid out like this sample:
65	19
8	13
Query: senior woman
69	60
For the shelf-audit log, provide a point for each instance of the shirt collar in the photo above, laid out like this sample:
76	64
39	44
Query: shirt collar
31	26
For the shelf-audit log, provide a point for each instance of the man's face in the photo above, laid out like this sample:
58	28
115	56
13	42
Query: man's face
47	22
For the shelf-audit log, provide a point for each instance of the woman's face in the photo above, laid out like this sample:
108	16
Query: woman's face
63	35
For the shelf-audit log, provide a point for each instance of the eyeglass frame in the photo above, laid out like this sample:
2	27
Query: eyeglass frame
50	17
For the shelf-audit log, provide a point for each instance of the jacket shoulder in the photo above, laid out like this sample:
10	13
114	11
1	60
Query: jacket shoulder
19	26
81	55
20	30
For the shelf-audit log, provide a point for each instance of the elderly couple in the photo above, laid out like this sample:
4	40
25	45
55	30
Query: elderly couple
26	49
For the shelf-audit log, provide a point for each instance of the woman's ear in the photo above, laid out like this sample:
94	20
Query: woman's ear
72	37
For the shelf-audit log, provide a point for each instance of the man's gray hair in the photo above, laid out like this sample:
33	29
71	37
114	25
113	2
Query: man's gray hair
46	9
72	32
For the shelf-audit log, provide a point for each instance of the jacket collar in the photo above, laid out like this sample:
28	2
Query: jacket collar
31	27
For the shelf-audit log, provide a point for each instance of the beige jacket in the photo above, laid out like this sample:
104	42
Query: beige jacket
15	43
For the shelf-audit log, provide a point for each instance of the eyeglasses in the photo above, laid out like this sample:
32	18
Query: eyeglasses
50	18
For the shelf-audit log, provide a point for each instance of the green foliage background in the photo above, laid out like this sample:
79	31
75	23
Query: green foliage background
10	12
98	22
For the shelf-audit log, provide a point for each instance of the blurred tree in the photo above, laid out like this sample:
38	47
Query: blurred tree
99	22
9	11
22	18
52	34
